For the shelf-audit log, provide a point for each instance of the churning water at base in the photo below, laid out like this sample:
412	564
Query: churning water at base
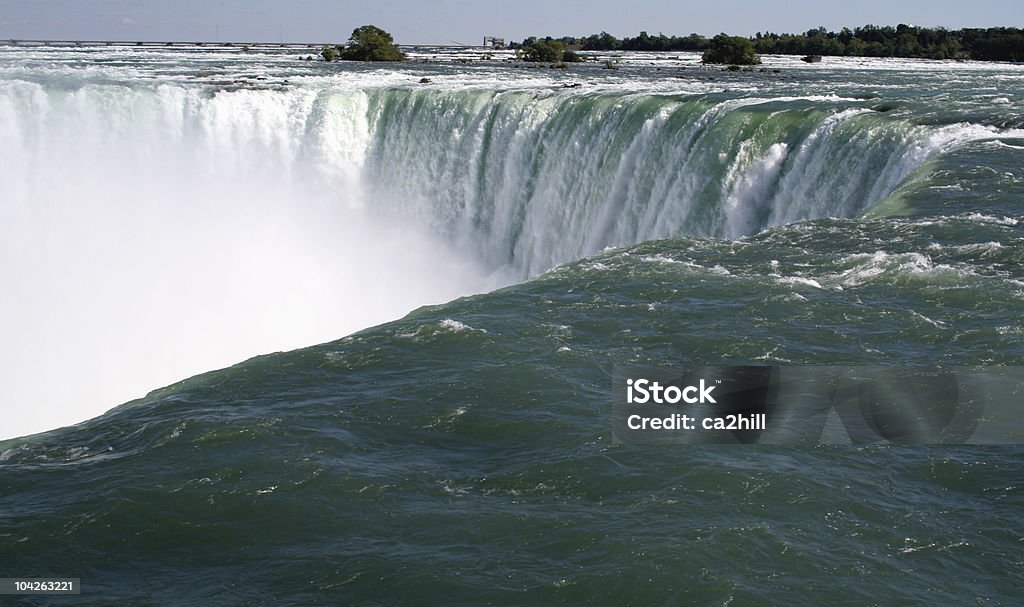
162	207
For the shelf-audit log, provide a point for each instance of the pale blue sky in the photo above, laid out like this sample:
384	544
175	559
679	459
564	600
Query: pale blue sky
467	21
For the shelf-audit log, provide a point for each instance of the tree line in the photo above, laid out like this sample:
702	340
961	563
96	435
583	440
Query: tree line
985	44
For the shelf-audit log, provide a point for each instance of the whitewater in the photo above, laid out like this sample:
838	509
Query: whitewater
170	211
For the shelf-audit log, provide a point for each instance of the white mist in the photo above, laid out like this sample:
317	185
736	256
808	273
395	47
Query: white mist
151	233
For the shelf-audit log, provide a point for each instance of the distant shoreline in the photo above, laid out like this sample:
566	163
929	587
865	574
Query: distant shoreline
1004	44
903	41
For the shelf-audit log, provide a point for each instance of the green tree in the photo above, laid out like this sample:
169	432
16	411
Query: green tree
329	53
370	43
570	56
734	50
601	42
542	51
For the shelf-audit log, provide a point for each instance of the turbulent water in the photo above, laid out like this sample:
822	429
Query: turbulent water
168	211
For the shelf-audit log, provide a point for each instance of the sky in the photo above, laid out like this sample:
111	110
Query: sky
467	21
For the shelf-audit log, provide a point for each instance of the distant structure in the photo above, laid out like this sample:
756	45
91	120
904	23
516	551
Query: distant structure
494	42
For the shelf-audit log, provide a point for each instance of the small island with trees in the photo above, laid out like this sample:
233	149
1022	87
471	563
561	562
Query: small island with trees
734	50
546	51
367	43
